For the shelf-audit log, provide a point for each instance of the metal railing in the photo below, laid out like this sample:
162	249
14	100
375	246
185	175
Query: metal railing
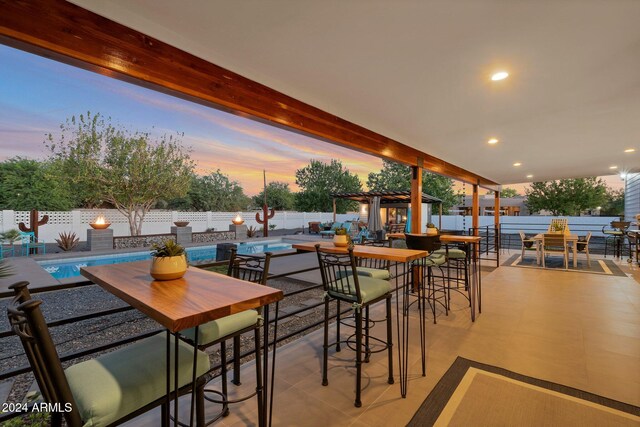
12	373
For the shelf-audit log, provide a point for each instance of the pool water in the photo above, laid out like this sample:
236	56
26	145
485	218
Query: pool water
70	267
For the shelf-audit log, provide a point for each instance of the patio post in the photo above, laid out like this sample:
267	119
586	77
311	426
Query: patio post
475	210
416	197
496	222
334	209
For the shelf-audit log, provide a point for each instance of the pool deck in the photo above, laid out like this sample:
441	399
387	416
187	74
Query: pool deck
27	269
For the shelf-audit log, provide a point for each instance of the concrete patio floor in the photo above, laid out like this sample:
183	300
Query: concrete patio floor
576	329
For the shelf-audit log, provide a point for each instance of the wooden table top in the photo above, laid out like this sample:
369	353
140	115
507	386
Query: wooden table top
196	298
569	237
361	251
444	237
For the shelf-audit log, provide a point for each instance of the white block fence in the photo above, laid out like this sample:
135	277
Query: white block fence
158	221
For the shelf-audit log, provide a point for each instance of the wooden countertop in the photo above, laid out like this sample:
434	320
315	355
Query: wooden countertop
196	298
361	251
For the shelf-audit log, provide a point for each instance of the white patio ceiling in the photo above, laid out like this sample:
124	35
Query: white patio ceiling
419	71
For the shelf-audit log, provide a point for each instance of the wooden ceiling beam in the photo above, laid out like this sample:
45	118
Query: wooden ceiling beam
68	33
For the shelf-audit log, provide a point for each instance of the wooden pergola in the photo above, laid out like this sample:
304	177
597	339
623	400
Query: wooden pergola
388	197
68	33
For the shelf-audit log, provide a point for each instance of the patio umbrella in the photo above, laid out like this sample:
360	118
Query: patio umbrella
375	221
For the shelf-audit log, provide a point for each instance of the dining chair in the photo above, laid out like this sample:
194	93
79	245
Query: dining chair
251	268
109	389
527	244
558	224
31	242
555	244
341	282
583	245
423	268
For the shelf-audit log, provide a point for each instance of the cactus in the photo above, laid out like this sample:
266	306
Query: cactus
266	212
34	223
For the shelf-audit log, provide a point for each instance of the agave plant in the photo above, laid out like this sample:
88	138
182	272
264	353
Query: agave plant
67	241
168	248
251	231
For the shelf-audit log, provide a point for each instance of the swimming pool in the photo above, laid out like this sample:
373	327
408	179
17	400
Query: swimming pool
70	267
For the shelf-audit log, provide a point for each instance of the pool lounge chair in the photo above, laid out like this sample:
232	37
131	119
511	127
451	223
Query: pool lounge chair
331	232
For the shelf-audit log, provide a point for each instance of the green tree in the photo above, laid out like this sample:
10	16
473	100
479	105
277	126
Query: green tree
566	196
614	204
319	180
216	192
129	170
279	196
506	192
397	177
29	184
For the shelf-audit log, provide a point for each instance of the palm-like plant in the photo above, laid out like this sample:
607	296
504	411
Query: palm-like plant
6	270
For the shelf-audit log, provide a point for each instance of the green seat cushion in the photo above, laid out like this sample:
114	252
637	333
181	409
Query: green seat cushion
376	273
433	260
118	383
220	328
452	253
370	288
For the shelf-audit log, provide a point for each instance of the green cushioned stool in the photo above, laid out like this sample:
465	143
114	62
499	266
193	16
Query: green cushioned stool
374	273
452	253
212	331
112	388
343	283
116	384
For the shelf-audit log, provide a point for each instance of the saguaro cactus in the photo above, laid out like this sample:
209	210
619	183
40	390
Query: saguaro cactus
34	223
266	212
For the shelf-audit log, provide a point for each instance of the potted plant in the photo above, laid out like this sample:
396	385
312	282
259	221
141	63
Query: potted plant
169	261
431	229
341	238
557	228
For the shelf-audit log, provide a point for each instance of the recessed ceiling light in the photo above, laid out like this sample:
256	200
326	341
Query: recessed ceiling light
500	75
493	141
613	167
517	164
629	150
529	176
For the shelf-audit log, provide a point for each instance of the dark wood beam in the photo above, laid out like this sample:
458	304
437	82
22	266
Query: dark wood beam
68	33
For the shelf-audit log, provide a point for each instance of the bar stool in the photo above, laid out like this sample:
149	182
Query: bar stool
343	283
424	268
252	268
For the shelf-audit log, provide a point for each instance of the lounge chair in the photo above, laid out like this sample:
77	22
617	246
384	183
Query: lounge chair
331	232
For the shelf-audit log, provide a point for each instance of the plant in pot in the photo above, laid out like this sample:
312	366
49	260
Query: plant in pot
431	229
557	228
169	261
341	238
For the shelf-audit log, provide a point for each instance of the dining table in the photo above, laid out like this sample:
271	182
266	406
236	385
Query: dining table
400	259
192	300
570	238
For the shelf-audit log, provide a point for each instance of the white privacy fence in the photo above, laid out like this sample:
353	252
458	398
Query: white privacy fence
529	224
158	221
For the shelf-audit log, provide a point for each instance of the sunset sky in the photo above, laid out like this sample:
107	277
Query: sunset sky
38	94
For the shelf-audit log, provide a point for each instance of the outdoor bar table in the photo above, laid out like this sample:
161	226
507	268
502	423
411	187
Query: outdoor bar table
475	290
198	297
398	257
